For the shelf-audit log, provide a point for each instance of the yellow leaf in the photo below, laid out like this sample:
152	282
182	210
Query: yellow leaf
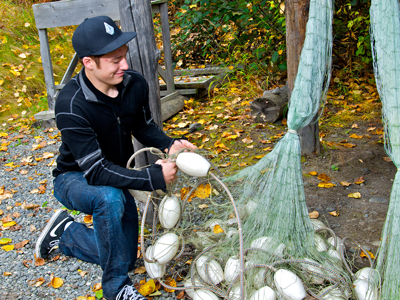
356	195
148	288
313	173
156	293
193	6
217	229
201	206
8	247
185	191
203	191
3	134
88	219
326	184
362	254
9	224
345	183
313	215
97	287
247	140
334	213
5	241
170	282
323	177
355	136
7	273
56	282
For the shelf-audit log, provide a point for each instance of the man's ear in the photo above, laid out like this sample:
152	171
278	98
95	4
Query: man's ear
88	62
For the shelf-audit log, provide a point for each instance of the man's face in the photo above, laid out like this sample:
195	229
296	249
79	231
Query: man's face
111	67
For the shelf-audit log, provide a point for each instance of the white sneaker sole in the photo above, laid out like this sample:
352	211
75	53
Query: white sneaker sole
46	231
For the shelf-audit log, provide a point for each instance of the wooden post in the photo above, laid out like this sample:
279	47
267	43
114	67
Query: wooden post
143	55
296	21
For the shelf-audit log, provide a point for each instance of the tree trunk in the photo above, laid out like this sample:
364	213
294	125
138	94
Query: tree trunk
296	21
143	55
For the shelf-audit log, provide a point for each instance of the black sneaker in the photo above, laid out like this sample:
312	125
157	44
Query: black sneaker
128	292
51	234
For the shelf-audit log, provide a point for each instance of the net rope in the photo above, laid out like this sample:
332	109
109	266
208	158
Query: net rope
385	44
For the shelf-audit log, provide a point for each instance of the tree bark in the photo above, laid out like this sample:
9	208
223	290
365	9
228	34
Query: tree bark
296	21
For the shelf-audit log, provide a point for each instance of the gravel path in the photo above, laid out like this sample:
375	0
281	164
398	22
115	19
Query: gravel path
27	199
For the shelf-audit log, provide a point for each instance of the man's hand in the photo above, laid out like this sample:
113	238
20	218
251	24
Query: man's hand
179	144
169	170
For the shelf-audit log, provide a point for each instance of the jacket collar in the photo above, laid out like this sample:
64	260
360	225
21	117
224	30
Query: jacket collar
87	92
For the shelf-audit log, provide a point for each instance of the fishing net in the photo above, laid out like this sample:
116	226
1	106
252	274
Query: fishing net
385	42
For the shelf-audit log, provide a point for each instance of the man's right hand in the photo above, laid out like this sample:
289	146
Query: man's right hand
169	170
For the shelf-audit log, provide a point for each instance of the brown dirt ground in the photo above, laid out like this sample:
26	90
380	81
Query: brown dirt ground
359	219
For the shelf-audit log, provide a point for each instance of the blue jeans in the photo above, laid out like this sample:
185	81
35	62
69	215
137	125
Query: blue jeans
112	243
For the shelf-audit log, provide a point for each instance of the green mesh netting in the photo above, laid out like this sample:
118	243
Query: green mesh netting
385	41
275	182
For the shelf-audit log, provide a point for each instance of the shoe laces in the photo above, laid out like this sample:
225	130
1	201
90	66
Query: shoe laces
128	292
53	244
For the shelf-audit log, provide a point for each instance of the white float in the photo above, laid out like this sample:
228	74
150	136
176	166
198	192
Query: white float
320	243
232	269
193	164
289	285
314	279
265	293
166	247
169	211
155	270
364	290
269	244
204	295
215	271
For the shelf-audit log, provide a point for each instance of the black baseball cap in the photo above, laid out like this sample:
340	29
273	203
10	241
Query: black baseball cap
98	36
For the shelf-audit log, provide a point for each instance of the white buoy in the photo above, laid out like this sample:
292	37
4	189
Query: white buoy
215	271
269	244
169	211
265	293
193	164
232	269
204	295
289	285
166	247
155	270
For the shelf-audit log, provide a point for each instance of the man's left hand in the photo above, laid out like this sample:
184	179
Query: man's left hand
179	144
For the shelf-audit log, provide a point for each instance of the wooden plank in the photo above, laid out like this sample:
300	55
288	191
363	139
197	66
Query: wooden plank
205	71
74	12
167	47
47	67
172	107
168	97
181	92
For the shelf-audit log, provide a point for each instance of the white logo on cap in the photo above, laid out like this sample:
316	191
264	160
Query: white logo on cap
109	28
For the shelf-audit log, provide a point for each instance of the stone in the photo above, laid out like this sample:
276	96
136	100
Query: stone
379	200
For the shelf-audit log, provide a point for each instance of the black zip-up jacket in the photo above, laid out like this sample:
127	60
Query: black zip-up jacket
97	136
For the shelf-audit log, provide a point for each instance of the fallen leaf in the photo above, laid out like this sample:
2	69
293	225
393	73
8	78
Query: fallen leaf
345	183
140	270
7	273
180	295
8	247
362	254
201	206
97	287
217	229
171	282
148	288
5	241
88	219
355	136
184	191
334	213
37	282
39	261
386	158
27	262
356	195
9	224
313	215
359	180
156	293
313	173
326	184
323	177
56	282
203	191
247	140
21	244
